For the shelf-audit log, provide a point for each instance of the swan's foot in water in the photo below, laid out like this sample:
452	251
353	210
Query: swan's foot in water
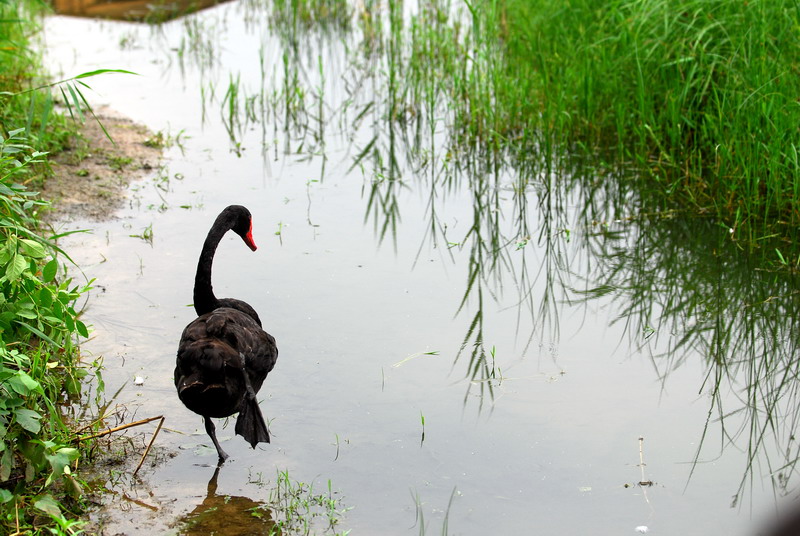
211	431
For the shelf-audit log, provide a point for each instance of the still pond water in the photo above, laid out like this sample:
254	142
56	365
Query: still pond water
464	347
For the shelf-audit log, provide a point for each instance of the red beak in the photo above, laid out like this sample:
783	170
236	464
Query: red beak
248	238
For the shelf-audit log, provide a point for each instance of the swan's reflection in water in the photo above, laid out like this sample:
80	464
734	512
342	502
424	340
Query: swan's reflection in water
226	515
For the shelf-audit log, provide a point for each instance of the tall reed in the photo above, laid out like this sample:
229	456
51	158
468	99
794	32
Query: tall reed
700	94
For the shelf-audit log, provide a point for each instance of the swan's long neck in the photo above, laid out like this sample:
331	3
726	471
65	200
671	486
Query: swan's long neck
204	299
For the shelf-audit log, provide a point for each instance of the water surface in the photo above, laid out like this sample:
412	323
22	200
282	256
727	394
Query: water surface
461	344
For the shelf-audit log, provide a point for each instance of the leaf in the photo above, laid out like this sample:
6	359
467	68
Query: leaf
60	460
6	464
47	504
5	495
49	271
28	419
81	327
103	71
73	91
39	333
22	383
45	298
32	248
66	102
29	382
15	267
27	313
70	453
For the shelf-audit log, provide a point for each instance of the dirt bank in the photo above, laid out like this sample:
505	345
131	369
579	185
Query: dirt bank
90	179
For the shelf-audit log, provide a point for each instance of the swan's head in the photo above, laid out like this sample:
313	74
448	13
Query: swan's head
241	223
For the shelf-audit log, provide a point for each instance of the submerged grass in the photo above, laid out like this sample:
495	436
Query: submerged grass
296	508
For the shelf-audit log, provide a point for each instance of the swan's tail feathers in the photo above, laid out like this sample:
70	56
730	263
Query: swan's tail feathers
250	423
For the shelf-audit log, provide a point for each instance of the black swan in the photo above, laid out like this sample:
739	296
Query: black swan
224	355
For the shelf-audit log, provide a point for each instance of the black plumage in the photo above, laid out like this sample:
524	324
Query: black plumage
224	355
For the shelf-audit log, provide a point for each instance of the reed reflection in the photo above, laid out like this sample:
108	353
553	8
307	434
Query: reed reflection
546	231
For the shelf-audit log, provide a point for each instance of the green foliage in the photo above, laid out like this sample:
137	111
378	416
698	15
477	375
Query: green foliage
19	69
700	94
25	92
39	367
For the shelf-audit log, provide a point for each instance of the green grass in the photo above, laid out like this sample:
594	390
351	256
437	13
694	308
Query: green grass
700	95
20	70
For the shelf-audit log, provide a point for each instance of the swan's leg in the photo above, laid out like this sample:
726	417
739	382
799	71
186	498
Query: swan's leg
211	431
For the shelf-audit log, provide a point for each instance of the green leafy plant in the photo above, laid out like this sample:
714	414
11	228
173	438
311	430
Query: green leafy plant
40	368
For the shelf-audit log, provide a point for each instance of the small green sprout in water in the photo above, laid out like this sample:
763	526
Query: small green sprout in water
522	243
279	232
337	444
146	234
162	140
422	420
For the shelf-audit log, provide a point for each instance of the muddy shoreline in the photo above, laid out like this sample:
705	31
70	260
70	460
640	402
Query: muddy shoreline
89	180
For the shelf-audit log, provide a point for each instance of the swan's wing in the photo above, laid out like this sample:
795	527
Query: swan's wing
237	331
239	305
